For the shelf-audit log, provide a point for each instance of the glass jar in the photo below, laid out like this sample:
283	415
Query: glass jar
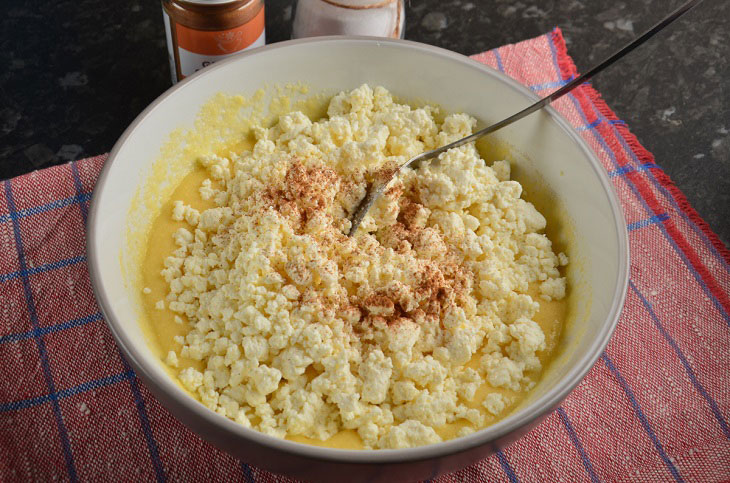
200	32
378	18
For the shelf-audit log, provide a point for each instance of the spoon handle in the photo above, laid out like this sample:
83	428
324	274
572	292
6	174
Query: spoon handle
566	88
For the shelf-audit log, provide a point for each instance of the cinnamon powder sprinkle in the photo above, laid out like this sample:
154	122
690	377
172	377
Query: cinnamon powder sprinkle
309	191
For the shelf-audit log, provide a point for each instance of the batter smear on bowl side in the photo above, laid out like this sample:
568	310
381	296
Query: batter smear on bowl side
433	321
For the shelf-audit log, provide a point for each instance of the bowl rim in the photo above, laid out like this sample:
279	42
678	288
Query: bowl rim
540	406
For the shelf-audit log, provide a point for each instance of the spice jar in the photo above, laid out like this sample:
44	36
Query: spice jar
200	32
379	18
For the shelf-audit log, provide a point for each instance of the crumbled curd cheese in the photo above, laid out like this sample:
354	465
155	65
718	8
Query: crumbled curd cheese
305	331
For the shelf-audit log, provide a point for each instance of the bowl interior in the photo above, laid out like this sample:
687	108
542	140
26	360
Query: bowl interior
547	155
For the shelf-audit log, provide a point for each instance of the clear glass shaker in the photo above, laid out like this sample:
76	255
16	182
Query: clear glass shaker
378	18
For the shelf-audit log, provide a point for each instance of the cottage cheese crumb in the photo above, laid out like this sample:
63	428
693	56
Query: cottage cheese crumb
302	330
494	403
171	359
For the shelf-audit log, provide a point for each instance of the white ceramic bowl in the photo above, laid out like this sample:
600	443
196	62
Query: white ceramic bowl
547	148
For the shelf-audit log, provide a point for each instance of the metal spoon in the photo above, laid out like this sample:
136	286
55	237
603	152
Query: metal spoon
374	191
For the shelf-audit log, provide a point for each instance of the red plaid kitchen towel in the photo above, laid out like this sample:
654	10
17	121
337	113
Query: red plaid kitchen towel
655	406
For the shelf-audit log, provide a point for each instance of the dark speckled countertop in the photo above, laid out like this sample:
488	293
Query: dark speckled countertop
76	73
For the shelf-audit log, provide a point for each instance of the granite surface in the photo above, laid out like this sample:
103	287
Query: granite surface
76	73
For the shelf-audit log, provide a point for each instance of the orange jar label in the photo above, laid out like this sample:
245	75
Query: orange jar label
190	49
221	42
